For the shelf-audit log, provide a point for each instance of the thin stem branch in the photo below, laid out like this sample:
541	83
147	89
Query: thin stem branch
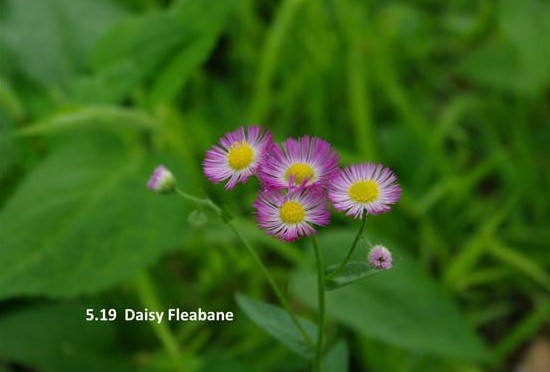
209	204
199	201
273	284
351	250
321	306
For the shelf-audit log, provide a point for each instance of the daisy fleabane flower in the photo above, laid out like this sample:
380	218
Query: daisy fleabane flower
380	258
237	156
291	215
306	159
364	187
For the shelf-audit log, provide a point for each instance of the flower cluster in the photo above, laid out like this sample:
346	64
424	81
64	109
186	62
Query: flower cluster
298	177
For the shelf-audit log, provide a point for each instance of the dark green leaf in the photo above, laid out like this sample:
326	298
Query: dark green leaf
275	321
56	338
352	272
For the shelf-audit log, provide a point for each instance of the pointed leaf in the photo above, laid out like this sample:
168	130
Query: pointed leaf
275	321
352	272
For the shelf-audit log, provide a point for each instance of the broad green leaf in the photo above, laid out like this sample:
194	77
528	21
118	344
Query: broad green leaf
52	38
275	321
83	221
56	338
92	118
402	306
336	359
352	272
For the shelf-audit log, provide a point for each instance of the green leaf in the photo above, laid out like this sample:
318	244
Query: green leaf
9	100
402	306
526	25
515	61
352	272
275	321
139	44
92	118
83	221
204	20
56	338
110	85
336	359
52	38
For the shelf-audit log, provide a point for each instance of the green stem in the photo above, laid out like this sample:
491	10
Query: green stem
272	282
148	296
321	307
202	202
209	204
351	250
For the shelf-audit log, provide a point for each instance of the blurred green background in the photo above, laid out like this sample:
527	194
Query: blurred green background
452	95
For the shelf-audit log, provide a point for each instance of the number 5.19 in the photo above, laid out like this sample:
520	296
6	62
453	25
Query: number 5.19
105	315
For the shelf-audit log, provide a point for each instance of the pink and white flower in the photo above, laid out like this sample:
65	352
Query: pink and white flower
291	215
238	155
306	160
364	188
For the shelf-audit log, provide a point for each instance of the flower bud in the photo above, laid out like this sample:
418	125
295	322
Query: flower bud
197	218
380	257
162	181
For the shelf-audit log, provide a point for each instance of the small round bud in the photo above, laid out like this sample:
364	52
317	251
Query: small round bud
197	218
162	181
380	257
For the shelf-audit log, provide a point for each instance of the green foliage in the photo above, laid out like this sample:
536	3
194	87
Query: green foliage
402	306
278	324
352	272
336	359
453	96
54	338
52	38
89	222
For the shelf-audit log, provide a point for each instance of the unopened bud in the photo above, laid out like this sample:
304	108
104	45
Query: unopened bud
162	181
380	258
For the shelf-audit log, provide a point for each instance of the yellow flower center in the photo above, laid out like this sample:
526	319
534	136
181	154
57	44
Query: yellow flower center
364	191
240	155
300	171
292	212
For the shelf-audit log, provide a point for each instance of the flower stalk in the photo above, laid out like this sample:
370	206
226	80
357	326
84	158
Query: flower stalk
321	305
298	178
278	293
350	251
